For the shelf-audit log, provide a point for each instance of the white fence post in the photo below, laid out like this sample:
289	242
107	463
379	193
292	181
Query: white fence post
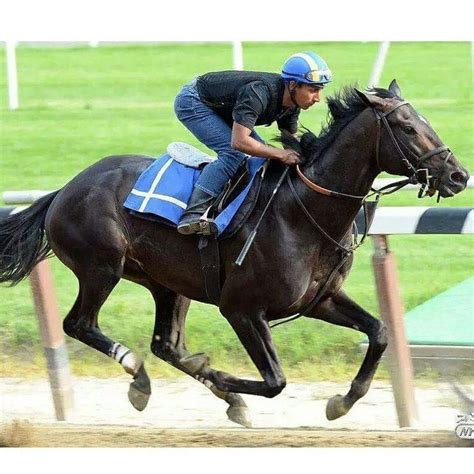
237	55
12	75
379	64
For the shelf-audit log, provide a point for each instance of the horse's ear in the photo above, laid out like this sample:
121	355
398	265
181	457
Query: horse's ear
371	99
394	89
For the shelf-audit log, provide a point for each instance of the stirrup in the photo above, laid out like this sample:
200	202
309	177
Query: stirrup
189	228
208	227
203	226
198	207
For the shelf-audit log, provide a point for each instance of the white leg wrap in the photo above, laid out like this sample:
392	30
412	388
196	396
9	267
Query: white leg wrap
125	357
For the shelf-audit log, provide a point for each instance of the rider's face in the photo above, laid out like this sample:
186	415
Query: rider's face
306	95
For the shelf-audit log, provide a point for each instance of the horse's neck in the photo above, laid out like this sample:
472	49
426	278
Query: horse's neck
346	167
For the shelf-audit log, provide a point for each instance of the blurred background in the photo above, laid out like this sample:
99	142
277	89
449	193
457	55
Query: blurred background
80	102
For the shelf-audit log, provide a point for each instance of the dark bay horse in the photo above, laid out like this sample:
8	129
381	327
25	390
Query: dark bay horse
88	229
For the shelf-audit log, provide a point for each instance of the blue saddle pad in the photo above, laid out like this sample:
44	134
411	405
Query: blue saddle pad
165	188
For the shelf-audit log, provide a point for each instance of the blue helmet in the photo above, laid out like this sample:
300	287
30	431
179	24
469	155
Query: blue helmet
306	67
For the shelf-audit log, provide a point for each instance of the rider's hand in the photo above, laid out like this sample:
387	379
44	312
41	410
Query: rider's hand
289	157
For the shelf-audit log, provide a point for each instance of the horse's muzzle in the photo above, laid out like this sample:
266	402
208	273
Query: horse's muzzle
452	181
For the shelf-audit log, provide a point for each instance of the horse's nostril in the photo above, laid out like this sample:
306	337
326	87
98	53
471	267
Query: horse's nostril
458	177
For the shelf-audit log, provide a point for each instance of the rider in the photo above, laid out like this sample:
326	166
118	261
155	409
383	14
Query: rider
222	108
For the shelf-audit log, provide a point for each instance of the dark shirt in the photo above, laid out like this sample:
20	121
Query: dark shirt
248	98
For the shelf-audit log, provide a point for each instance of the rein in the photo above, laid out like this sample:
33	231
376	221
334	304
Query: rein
320	189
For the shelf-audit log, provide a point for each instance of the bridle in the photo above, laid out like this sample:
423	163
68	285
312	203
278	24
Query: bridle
419	160
416	172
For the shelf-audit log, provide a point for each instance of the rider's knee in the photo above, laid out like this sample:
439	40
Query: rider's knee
230	161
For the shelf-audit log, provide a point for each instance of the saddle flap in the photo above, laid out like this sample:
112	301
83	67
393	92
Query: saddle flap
232	188
188	155
248	205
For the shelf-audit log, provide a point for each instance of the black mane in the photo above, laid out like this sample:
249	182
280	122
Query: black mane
344	106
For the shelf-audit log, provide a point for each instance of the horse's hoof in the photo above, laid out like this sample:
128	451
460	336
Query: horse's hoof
336	408
195	362
239	415
140	389
137	398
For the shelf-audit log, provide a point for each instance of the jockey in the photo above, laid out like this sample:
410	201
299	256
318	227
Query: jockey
222	108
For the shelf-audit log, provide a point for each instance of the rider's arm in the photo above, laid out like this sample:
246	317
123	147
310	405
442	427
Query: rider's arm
242	141
251	103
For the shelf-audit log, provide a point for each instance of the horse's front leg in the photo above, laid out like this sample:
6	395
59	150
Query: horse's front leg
254	333
342	311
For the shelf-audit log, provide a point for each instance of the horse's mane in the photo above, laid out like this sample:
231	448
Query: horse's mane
344	106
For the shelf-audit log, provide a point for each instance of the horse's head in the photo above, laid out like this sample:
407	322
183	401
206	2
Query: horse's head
407	144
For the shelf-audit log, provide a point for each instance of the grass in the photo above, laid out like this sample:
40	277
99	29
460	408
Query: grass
78	104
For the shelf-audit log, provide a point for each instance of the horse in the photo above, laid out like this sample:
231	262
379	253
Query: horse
305	236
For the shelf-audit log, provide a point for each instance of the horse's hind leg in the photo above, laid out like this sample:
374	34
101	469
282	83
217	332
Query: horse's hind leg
168	343
81	323
342	311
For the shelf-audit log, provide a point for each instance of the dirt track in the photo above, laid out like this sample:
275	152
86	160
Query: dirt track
184	413
66	435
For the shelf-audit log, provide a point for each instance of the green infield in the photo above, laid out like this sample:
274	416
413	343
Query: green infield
79	104
445	320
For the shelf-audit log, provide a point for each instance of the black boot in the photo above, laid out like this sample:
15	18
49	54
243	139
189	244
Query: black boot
190	222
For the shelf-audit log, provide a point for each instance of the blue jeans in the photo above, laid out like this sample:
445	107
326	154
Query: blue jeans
212	131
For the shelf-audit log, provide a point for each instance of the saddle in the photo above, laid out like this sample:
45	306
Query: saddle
211	264
190	156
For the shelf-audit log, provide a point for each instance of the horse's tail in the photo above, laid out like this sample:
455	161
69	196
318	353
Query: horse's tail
23	243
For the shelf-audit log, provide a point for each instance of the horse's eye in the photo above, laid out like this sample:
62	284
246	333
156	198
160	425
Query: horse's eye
408	130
